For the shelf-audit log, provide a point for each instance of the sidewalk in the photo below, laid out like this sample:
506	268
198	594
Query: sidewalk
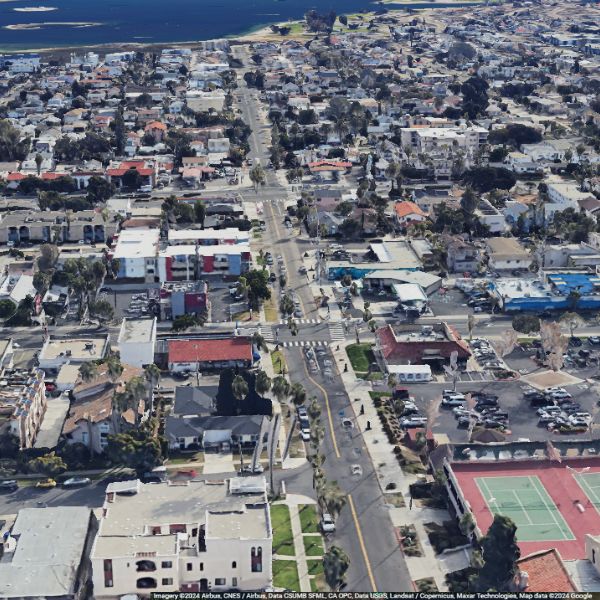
293	501
390	474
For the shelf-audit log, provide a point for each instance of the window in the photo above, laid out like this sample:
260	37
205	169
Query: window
593	556
166	564
202	566
234	581
108	573
220	581
167	581
234	565
256	560
189	566
156	530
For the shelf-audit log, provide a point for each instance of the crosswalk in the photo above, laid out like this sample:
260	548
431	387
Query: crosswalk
267	333
302	321
336	330
304	343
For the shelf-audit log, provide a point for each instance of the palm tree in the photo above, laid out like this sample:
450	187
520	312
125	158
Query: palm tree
135	391
38	163
334	498
257	177
335	565
317	434
262	383
114	366
239	388
259	341
152	374
314	409
88	371
298	394
280	388
120	403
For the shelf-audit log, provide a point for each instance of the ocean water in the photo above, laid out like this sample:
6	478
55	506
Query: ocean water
89	22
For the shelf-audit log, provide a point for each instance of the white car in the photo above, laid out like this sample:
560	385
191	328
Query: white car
450	395
77	482
327	523
305	434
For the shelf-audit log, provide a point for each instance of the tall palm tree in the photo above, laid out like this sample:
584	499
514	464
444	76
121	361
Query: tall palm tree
334	498
135	391
314	409
298	394
259	341
262	383
88	371
114	366
152	374
280	388
239	388
335	565
119	404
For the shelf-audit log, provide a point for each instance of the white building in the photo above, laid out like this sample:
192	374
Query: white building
136	341
561	196
57	352
428	139
489	215
183	537
507	254
136	251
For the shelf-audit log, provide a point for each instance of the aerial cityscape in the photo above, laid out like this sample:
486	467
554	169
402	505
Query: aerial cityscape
299	298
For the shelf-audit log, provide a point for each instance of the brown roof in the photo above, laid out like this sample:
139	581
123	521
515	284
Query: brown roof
546	572
97	407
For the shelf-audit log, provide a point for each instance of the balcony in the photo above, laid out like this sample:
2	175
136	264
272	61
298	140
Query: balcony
146	583
145	566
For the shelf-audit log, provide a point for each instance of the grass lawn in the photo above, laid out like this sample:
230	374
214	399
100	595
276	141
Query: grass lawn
360	356
309	518
285	575
178	459
271	314
313	545
278	360
317	581
377	395
283	541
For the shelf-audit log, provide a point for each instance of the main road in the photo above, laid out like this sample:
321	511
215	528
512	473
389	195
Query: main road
364	528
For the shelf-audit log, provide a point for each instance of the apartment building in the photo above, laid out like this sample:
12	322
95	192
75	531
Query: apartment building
192	536
25	399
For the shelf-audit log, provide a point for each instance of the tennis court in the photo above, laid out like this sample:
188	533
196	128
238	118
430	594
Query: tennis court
525	500
590	484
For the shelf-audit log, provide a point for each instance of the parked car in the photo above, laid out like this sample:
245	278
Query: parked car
575	341
305	434
46	484
327	523
453	402
8	485
411	422
76	482
594	340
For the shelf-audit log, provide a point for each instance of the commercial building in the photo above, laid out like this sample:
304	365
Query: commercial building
431	345
176	298
45	554
137	338
194	536
56	352
202	354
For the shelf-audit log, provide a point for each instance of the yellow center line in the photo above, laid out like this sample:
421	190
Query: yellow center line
329	417
361	542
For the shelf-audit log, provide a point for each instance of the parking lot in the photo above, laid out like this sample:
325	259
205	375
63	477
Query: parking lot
523	422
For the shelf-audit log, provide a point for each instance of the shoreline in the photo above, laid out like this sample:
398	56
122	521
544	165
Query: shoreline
255	33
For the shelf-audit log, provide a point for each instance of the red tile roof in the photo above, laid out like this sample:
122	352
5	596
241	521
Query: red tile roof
406	208
15	177
210	350
546	572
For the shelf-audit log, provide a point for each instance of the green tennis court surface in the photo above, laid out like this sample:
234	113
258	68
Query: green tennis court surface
525	500
590	484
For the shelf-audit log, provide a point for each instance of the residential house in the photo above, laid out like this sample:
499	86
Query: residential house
462	256
507	254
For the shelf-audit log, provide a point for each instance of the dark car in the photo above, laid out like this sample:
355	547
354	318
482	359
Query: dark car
584	353
537	400
8	485
575	342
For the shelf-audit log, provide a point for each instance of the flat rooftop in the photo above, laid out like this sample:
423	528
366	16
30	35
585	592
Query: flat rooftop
49	546
520	288
137	331
79	349
137	243
251	523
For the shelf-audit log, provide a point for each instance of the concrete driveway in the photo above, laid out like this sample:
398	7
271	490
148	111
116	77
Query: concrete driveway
218	463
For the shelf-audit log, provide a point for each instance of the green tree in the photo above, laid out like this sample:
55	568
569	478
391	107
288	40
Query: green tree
48	464
500	554
39	159
7	308
48	256
335	564
524	323
102	309
258	287
239	388
132	179
262	383
200	212
99	190
12	145
114	367
88	371
298	393
183	322
257	177
573	321
134	449
281	388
